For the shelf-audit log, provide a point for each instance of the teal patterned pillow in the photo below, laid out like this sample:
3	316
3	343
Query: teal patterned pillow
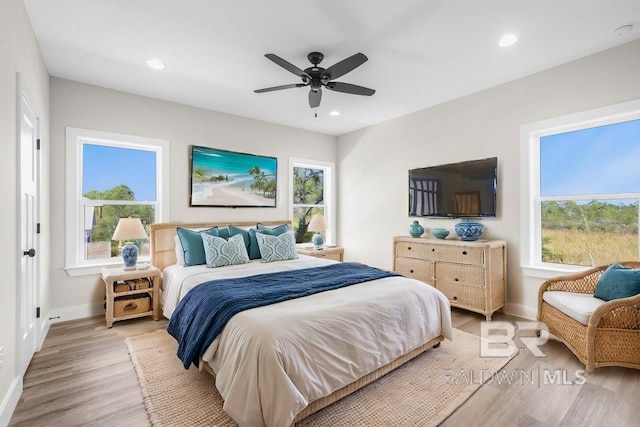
254	249
277	248
221	252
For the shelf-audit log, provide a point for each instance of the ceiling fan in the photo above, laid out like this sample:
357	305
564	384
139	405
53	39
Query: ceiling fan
317	77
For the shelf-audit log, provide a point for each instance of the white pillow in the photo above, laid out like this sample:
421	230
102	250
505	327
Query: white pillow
220	252
179	251
277	248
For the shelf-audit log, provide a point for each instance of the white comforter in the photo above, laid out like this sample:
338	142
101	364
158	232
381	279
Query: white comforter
272	361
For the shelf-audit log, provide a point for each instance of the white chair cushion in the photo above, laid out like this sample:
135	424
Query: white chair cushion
577	306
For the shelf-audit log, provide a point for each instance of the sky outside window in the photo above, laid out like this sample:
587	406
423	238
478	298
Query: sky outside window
106	167
599	160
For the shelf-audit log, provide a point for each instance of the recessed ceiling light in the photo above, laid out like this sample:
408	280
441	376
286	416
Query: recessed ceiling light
334	113
623	30
508	40
156	64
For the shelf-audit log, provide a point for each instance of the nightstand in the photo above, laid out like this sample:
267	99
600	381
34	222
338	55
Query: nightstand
131	293
335	253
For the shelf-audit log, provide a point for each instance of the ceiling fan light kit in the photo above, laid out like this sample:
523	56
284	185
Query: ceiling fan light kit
317	77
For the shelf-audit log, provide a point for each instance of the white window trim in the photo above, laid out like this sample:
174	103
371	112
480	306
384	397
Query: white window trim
75	265
329	192
530	221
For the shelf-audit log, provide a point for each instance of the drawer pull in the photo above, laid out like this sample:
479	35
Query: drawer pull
455	297
410	271
408	248
130	306
456	279
433	249
464	252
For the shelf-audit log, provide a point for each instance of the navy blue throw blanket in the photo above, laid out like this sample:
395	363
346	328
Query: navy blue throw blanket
206	309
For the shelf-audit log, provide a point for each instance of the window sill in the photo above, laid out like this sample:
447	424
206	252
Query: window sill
547	272
90	269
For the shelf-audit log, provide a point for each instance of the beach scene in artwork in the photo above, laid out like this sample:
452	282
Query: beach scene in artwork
226	178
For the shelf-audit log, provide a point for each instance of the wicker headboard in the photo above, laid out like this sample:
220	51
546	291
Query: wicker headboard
163	244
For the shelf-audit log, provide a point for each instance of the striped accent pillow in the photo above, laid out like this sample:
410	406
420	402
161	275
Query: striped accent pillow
220	252
277	248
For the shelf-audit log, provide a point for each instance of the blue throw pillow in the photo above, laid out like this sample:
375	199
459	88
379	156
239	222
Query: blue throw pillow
277	248
223	232
191	242
618	282
233	230
254	249
220	252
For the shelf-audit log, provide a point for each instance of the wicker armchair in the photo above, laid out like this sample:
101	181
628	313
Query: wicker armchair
612	337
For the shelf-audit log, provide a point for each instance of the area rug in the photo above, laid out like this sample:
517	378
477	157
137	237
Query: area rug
422	392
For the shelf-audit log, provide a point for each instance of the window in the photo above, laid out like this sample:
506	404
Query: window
110	176
311	192
582	189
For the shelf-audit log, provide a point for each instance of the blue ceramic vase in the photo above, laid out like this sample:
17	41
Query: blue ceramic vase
416	230
468	230
130	256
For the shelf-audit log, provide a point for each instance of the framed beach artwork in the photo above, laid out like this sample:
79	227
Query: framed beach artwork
221	178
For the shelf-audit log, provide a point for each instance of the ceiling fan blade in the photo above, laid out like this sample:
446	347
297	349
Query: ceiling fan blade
314	98
287	65
271	89
349	88
344	66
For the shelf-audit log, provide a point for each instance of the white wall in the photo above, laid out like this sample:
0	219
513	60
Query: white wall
372	163
90	107
19	53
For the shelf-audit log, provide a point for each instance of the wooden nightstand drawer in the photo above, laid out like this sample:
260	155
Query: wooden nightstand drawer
335	253
126	306
334	256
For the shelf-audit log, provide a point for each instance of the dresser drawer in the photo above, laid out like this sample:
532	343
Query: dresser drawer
459	254
415	268
468	296
459	273
413	250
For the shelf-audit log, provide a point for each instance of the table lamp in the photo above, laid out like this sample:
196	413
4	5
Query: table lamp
317	224
129	229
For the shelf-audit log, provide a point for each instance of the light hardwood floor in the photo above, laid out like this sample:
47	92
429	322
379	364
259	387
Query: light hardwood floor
83	377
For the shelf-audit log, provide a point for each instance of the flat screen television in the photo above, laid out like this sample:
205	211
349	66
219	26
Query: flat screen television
455	190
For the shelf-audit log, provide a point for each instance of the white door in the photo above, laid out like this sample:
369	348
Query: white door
29	168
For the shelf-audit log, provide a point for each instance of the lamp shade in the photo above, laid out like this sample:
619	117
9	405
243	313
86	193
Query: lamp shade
129	229
317	223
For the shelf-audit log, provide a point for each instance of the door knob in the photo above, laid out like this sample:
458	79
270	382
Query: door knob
30	252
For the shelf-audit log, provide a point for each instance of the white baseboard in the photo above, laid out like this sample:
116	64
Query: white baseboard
64	314
10	402
45	324
524	311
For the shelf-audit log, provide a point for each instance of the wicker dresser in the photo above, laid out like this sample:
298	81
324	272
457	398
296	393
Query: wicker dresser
471	274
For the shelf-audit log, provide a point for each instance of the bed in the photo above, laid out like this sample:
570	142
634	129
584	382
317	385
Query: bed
277	364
